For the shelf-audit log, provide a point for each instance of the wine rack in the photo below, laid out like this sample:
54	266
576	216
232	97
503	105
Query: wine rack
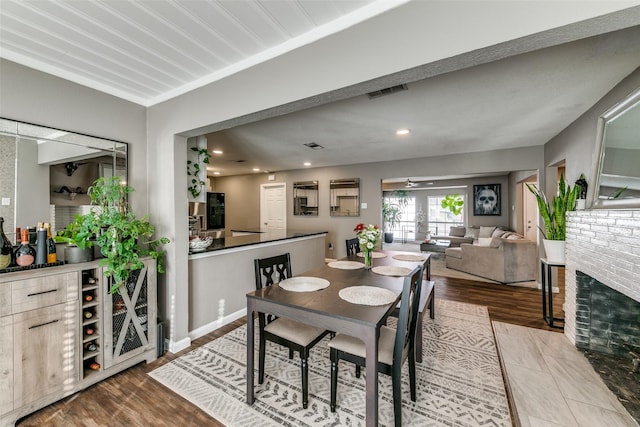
91	325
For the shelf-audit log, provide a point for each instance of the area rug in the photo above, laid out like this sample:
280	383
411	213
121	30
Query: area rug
459	382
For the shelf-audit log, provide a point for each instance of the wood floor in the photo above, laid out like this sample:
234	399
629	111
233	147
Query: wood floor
132	398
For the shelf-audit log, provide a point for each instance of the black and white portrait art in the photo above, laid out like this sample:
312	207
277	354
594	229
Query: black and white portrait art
486	199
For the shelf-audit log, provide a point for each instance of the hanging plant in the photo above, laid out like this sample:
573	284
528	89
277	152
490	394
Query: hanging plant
193	170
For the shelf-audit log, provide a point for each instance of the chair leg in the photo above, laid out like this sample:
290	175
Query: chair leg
418	339
290	353
305	381
412	376
396	382
357	371
334	379
261	354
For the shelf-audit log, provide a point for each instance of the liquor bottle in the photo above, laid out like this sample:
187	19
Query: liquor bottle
90	346
41	244
25	254
18	236
6	249
52	255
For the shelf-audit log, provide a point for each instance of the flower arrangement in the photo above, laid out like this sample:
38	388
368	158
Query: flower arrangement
369	236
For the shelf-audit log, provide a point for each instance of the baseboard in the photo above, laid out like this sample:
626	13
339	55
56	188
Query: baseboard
212	326
177	346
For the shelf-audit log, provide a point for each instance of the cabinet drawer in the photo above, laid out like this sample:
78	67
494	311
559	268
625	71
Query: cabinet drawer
5	299
40	292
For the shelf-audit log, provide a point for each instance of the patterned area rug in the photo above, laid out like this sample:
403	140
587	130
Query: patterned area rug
459	382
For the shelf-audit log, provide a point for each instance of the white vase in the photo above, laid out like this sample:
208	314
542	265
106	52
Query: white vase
554	250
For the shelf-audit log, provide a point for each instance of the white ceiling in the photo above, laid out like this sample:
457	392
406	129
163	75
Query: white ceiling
150	51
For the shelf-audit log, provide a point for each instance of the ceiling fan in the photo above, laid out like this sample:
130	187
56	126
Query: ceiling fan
410	184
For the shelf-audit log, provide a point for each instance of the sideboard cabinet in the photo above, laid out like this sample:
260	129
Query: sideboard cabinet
62	331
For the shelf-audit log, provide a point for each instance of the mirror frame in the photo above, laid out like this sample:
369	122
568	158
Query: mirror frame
632	100
297	209
356	183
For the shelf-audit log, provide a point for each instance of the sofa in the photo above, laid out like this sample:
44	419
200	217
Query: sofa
505	257
459	235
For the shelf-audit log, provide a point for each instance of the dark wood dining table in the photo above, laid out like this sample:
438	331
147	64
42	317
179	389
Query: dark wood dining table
325	309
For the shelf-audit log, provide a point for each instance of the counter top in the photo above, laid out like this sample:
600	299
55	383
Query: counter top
254	237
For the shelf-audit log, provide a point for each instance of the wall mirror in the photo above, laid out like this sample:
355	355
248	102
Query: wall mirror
305	198
345	197
46	173
617	181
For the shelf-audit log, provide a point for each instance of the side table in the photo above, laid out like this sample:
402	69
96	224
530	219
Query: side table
547	291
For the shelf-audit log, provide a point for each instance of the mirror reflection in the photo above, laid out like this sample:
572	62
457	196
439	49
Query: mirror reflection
618	181
345	197
46	173
305	198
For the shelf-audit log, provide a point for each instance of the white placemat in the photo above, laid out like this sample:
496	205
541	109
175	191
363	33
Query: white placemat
408	257
304	284
367	295
373	255
391	270
346	265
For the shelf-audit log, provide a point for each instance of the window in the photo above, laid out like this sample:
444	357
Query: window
439	219
407	225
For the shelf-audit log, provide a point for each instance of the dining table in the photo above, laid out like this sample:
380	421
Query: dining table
325	308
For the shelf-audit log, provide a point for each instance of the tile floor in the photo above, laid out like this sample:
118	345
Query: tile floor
552	383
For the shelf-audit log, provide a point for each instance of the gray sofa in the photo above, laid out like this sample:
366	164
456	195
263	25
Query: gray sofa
459	235
507	259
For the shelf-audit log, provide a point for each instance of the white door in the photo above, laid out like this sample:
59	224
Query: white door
530	205
273	206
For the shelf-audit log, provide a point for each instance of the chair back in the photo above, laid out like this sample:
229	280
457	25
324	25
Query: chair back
408	317
272	270
353	246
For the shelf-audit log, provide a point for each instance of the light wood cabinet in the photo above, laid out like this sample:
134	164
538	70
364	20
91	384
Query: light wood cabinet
48	319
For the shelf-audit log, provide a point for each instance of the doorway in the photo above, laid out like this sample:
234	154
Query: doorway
273	206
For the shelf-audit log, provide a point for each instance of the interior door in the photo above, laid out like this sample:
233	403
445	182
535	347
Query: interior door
273	206
530	210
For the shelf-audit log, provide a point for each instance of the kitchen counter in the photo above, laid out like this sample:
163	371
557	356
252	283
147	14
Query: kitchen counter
252	236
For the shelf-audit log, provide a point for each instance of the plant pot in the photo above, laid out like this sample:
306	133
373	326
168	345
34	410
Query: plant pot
388	237
554	249
75	255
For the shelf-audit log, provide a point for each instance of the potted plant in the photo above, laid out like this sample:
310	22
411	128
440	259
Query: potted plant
122	237
391	217
453	202
78	239
554	215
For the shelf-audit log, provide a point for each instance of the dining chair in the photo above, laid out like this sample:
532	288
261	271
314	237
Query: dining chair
353	246
394	347
294	335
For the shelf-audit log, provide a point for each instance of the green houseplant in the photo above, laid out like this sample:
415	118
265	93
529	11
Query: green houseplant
122	237
554	215
391	217
194	169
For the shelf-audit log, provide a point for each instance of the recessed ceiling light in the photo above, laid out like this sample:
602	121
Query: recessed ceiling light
403	131
256	169
217	151
307	163
216	173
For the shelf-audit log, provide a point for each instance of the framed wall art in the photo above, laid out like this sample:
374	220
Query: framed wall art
487	200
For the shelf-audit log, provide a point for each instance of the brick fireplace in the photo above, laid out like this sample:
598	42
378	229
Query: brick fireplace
602	294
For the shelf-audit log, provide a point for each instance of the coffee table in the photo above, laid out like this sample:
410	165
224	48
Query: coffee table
438	246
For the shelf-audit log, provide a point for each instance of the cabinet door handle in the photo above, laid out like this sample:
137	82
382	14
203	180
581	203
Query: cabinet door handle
43	292
43	324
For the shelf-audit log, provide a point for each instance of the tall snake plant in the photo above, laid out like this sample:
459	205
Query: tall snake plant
554	214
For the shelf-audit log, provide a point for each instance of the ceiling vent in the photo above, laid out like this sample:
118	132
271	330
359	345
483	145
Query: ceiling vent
314	146
387	91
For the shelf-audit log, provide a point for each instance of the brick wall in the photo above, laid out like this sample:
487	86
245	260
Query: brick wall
604	244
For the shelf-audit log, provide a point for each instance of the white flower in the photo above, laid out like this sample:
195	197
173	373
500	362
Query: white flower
370	245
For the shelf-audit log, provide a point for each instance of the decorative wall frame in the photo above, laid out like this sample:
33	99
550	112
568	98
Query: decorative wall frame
487	200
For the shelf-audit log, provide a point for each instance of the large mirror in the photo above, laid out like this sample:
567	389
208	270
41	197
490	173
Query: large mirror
46	173
305	198
345	197
618	178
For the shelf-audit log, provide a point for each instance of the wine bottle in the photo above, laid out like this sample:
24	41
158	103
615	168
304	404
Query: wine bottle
5	247
52	255
41	244
88	297
94	366
90	346
25	254
88	314
18	236
89	331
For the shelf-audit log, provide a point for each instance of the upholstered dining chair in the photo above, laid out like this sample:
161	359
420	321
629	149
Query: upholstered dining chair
353	246
294	335
395	346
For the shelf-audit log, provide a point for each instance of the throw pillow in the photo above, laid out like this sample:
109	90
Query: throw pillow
457	231
498	232
484	241
486	231
515	236
495	242
472	232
